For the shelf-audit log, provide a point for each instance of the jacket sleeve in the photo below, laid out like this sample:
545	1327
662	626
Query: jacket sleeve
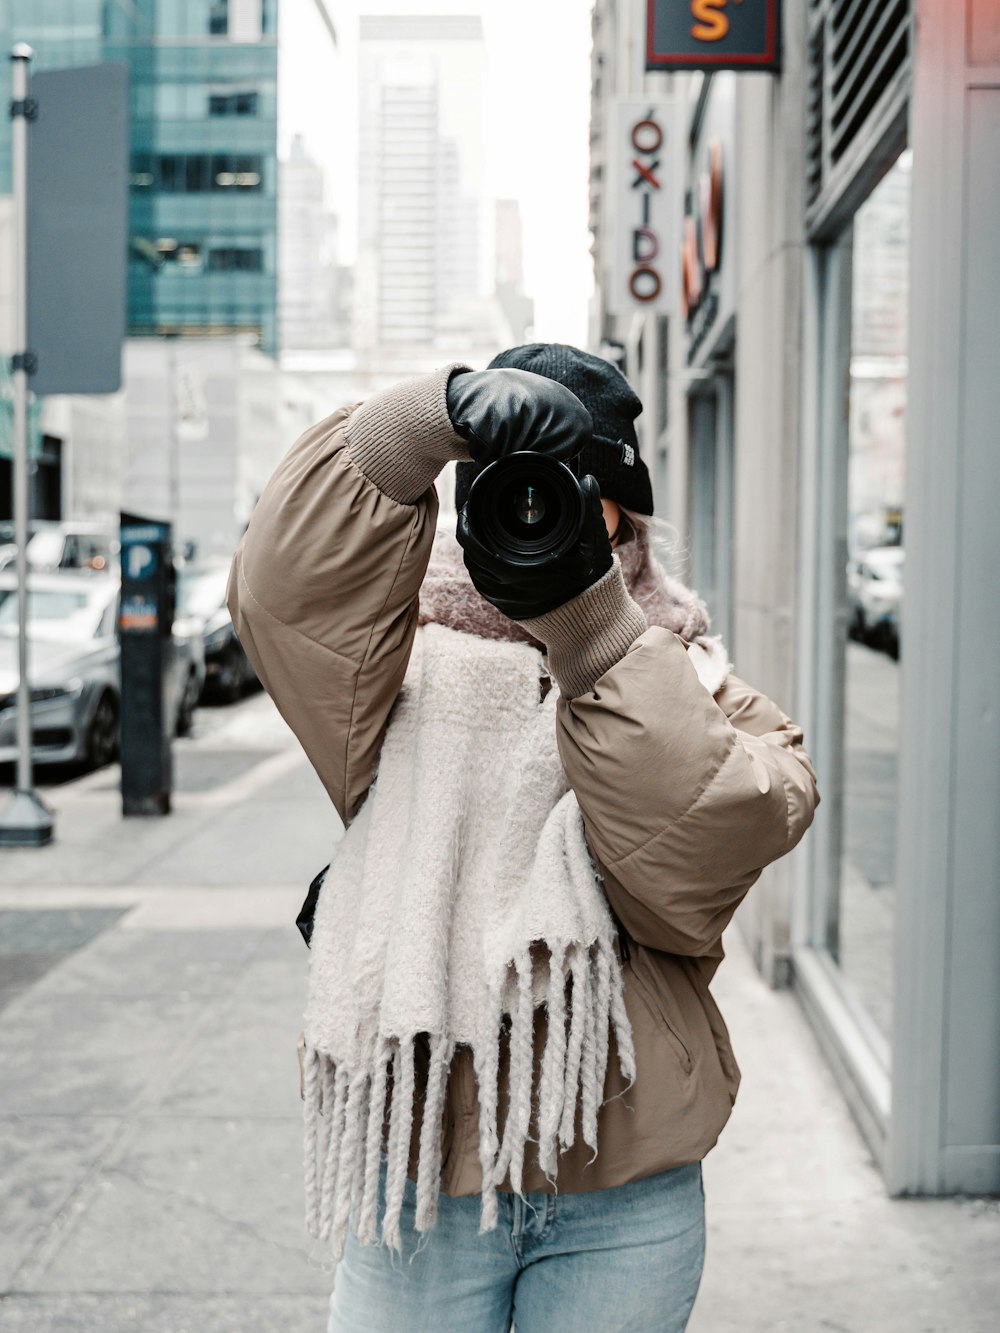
323	588
685	797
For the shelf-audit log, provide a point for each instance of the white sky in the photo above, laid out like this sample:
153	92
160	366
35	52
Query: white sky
537	127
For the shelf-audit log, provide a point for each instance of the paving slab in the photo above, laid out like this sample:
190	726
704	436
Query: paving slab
43	1163
185	1205
801	1234
90	1055
133	963
245	1061
162	1313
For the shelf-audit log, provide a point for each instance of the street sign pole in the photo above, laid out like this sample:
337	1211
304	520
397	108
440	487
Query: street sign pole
27	820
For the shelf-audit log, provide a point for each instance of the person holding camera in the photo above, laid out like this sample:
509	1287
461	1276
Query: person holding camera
556	793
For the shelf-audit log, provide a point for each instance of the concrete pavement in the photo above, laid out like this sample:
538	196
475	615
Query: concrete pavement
152	985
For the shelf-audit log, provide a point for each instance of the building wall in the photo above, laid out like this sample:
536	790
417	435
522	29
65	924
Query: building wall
633	339
203	228
202	420
204	161
311	307
92	431
204	165
424	267
947	978
767	512
851	387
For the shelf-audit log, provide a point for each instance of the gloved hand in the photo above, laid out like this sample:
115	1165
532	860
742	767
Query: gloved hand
502	411
522	593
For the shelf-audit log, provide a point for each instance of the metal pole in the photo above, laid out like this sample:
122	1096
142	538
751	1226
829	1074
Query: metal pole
27	821
173	442
19	142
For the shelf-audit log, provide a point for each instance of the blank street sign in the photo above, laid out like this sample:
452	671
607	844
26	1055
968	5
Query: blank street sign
78	151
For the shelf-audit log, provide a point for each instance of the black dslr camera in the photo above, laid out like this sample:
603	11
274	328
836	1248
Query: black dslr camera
527	508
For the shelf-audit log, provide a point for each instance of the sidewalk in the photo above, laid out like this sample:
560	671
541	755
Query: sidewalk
150	1171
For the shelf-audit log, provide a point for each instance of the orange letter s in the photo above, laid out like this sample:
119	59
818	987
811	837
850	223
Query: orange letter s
710	24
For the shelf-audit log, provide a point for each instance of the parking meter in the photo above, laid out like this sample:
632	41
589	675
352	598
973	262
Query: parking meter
145	626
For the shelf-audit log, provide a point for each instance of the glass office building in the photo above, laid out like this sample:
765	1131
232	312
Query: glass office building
203	216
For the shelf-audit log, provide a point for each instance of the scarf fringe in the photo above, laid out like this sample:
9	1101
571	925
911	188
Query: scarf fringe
345	1110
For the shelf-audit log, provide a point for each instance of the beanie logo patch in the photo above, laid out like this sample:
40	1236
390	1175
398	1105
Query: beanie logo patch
628	454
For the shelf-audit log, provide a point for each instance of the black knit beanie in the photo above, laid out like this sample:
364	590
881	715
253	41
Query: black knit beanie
613	458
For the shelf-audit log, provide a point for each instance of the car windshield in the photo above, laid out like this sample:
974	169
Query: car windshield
69	615
201	592
46	548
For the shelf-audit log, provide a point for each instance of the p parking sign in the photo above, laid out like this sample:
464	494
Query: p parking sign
712	34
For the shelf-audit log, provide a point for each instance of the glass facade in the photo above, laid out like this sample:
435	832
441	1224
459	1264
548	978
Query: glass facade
203	215
861	929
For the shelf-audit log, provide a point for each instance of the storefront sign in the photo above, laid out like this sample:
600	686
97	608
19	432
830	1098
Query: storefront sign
707	274
701	246
643	264
712	34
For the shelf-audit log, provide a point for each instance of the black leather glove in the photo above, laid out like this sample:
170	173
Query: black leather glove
502	411
522	593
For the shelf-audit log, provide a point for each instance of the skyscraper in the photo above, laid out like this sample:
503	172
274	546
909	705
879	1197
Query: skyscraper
421	276
203	213
311	299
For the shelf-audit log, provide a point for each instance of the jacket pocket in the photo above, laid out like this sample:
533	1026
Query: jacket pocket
650	986
720	1033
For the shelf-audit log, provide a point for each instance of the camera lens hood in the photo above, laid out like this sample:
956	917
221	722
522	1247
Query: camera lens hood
526	508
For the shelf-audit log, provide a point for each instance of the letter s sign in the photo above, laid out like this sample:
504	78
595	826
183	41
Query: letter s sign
710	22
714	34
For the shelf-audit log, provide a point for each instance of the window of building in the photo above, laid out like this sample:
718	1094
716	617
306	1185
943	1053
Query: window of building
218	18
236	259
861	926
233	104
142	176
196	173
185	255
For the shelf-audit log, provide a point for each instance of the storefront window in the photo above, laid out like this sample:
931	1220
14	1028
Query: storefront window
861	930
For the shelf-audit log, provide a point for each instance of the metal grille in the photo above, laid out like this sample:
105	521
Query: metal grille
857	88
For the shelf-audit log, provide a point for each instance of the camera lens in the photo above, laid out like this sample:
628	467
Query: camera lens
529	506
526	507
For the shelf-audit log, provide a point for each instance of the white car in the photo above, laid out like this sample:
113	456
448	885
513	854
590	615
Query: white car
67	545
875	594
74	669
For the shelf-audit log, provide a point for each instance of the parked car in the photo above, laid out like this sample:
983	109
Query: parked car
68	545
201	596
74	668
8	546
875	595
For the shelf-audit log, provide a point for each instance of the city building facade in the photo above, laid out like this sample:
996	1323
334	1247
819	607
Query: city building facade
203	210
818	391
423	273
202	259
313	288
204	187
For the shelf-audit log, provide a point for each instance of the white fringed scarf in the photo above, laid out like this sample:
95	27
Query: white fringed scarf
463	892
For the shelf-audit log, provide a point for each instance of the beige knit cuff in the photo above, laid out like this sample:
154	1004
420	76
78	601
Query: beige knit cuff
587	636
401	438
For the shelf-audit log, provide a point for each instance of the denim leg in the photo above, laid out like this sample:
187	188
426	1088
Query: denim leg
627	1259
451	1280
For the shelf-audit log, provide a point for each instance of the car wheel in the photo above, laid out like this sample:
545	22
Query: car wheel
102	734
189	702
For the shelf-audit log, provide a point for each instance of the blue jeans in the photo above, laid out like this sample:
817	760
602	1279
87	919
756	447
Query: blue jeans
628	1258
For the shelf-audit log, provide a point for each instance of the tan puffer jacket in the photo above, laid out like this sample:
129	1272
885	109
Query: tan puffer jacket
685	798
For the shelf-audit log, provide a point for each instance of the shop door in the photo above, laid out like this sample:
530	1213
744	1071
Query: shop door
711	500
